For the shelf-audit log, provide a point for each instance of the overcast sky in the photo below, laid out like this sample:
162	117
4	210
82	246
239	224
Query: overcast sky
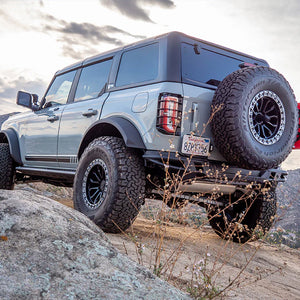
38	37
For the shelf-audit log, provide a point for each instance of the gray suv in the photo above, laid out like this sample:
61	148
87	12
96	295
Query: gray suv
113	125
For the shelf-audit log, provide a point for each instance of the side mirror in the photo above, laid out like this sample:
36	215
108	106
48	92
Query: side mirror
28	100
24	99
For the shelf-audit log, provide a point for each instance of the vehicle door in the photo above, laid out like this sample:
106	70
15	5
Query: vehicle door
83	111
41	130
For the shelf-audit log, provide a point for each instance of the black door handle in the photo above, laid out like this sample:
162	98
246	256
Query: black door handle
52	118
90	112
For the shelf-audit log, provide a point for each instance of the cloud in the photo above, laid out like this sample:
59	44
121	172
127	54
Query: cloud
78	38
87	31
112	29
134	8
9	21
9	89
75	48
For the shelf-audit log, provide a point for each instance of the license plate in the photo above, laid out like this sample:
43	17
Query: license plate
195	145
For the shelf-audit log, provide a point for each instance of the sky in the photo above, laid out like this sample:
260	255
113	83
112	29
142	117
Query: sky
38	37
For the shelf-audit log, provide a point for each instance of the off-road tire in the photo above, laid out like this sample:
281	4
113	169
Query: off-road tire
122	184
250	218
7	170
244	98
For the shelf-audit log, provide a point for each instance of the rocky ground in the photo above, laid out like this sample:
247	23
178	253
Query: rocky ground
287	227
50	251
186	252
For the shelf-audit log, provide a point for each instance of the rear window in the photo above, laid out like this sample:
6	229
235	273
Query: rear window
138	65
206	67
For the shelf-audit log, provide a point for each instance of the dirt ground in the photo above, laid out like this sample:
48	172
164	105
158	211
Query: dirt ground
272	273
255	270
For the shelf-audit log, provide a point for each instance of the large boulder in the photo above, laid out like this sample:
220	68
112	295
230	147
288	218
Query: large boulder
50	251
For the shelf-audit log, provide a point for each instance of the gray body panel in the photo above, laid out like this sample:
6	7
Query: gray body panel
197	110
144	119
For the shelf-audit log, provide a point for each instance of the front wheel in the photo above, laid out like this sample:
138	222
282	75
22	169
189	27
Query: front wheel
7	170
109	185
244	217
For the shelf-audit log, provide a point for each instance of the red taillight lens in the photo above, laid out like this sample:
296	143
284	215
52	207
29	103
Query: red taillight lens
169	113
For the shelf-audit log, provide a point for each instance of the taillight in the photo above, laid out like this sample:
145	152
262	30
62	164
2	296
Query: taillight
169	113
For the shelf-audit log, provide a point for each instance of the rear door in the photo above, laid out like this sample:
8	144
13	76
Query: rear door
83	111
202	70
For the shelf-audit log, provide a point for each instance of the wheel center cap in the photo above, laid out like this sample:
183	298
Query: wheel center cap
260	118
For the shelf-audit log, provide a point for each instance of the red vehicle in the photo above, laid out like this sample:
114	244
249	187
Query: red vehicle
297	144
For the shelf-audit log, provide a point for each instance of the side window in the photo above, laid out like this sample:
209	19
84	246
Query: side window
207	67
60	89
92	80
138	65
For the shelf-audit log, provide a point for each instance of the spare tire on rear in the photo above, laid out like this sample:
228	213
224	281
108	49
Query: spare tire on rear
256	123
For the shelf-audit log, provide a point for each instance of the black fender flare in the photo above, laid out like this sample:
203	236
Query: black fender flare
13	143
126	129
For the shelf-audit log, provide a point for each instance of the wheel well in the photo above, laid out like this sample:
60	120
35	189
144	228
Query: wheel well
3	138
97	131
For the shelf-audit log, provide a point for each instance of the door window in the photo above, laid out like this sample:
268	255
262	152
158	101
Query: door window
60	89
92	80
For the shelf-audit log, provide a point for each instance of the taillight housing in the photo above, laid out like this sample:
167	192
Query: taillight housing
169	113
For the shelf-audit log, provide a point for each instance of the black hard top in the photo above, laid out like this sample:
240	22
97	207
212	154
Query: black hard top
173	38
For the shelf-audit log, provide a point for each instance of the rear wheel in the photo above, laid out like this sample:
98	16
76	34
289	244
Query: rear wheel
245	217
7	170
109	185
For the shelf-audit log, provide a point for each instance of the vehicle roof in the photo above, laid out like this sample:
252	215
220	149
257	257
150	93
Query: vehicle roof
174	35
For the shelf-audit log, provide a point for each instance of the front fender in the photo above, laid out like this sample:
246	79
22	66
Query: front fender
13	143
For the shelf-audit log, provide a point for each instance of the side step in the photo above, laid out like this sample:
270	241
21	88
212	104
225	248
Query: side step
50	173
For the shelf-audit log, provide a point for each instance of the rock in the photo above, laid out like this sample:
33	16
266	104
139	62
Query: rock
288	195
51	251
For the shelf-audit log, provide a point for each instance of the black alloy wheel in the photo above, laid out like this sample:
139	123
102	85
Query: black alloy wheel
95	183
266	117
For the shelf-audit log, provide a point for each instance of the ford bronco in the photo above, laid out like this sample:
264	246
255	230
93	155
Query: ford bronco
113	125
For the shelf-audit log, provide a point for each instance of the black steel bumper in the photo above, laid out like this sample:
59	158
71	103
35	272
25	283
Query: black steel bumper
212	171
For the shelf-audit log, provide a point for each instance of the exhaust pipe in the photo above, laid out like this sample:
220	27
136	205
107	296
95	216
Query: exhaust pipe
204	187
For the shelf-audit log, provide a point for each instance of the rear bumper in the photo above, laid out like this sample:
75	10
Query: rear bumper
204	170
